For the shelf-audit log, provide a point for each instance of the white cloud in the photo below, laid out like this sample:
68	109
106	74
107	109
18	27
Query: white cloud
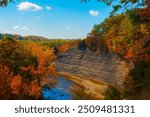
20	28
24	6
93	13
48	7
16	27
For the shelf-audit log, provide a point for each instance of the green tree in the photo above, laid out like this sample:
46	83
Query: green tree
13	55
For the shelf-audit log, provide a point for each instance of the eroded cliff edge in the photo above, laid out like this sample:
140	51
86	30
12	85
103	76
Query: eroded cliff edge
106	67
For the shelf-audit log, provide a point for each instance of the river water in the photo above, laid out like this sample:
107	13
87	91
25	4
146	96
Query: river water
60	92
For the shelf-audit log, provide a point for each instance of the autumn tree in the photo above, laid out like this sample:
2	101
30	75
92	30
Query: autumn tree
22	67
5	80
95	40
128	35
44	58
64	48
13	55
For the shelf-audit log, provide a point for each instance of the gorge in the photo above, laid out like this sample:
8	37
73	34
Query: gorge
107	68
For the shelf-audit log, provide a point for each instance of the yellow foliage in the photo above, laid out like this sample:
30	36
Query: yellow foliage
144	29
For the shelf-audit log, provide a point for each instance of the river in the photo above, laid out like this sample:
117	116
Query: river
60	92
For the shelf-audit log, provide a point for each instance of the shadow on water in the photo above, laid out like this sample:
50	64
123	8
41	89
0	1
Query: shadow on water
60	92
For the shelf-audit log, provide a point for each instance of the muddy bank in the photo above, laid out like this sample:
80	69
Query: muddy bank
91	87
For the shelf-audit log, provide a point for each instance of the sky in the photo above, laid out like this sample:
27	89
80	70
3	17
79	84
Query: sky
67	19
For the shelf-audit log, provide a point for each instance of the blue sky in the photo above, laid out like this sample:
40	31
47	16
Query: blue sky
52	18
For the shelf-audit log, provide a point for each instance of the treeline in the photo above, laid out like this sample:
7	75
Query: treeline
128	35
22	67
19	37
25	63
59	45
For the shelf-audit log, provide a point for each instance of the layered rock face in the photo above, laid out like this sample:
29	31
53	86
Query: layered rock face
107	67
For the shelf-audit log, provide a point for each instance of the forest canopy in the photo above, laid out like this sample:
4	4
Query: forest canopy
22	68
25	61
128	36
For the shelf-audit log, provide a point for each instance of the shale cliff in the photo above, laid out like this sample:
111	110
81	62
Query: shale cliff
107	67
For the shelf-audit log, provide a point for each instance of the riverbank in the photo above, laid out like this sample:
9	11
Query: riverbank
48	81
95	88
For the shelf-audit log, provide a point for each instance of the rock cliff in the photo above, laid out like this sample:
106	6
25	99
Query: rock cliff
107	67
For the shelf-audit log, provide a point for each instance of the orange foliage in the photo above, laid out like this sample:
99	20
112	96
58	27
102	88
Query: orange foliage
142	50
22	67
16	85
45	57
63	48
35	90
5	79
12	86
51	69
129	54
32	89
131	39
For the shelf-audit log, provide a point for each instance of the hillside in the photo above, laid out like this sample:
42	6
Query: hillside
116	51
108	67
19	37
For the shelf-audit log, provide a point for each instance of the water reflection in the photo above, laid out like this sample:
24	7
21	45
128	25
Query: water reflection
60	92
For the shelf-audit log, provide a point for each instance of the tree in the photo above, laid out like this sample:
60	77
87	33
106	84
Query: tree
94	40
64	48
125	34
5	2
44	58
123	4
13	54
22	67
5	80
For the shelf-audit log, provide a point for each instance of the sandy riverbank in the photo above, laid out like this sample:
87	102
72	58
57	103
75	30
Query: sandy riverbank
92	87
